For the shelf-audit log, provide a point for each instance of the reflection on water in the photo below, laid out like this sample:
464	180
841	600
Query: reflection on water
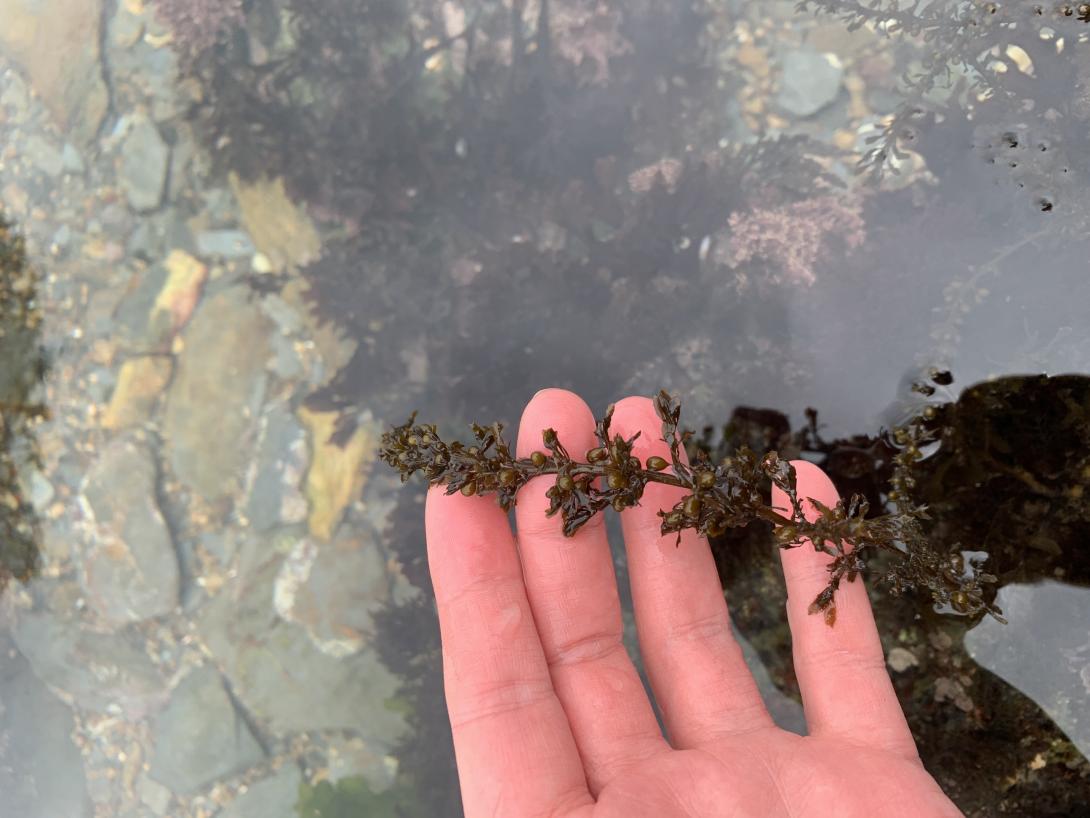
266	229
1045	652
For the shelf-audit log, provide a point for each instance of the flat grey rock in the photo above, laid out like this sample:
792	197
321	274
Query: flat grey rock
145	158
104	672
225	243
811	81
41	770
129	566
273	797
276	670
211	420
200	737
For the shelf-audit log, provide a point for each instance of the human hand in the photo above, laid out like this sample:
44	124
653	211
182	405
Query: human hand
549	715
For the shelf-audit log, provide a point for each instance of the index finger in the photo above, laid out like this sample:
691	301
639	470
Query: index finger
515	750
846	690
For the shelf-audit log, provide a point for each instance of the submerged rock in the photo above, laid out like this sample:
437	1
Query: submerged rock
336	474
278	672
145	158
200	737
210	423
139	384
273	797
224	243
276	492
130	568
56	44
811	80
106	672
41	771
333	590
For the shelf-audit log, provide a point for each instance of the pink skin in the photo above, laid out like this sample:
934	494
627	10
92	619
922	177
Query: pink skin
549	716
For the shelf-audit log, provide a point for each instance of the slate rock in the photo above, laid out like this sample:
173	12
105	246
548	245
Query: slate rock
41	770
273	797
56	44
104	672
811	81
130	566
276	494
45	156
276	670
145	158
333	590
210	424
200	737
224	243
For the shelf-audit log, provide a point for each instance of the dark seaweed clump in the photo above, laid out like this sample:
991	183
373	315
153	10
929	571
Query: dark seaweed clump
22	366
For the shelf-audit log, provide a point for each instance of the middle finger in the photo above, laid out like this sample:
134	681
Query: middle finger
572	589
700	678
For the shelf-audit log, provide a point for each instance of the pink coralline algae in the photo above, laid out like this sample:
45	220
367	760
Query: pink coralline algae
792	238
197	25
667	170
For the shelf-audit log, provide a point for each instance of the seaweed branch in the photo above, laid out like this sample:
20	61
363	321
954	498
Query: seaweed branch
728	494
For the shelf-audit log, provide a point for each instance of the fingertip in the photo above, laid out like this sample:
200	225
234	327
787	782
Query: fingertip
559	409
637	414
811	482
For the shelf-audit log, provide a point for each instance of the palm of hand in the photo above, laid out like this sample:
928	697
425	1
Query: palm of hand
550	718
773	773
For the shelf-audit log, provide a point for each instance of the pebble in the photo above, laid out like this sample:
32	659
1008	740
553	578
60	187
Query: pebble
224	243
45	156
145	158
71	159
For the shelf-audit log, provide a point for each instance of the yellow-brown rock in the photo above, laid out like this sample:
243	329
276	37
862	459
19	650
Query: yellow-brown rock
139	384
336	474
179	296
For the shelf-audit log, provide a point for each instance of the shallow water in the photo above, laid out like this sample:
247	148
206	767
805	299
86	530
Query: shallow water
265	231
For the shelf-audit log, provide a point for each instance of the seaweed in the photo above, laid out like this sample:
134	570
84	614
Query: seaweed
349	798
24	367
725	495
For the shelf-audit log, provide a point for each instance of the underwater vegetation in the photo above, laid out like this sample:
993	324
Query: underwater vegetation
349	798
198	25
23	367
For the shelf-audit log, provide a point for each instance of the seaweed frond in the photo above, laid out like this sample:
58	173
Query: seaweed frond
728	494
